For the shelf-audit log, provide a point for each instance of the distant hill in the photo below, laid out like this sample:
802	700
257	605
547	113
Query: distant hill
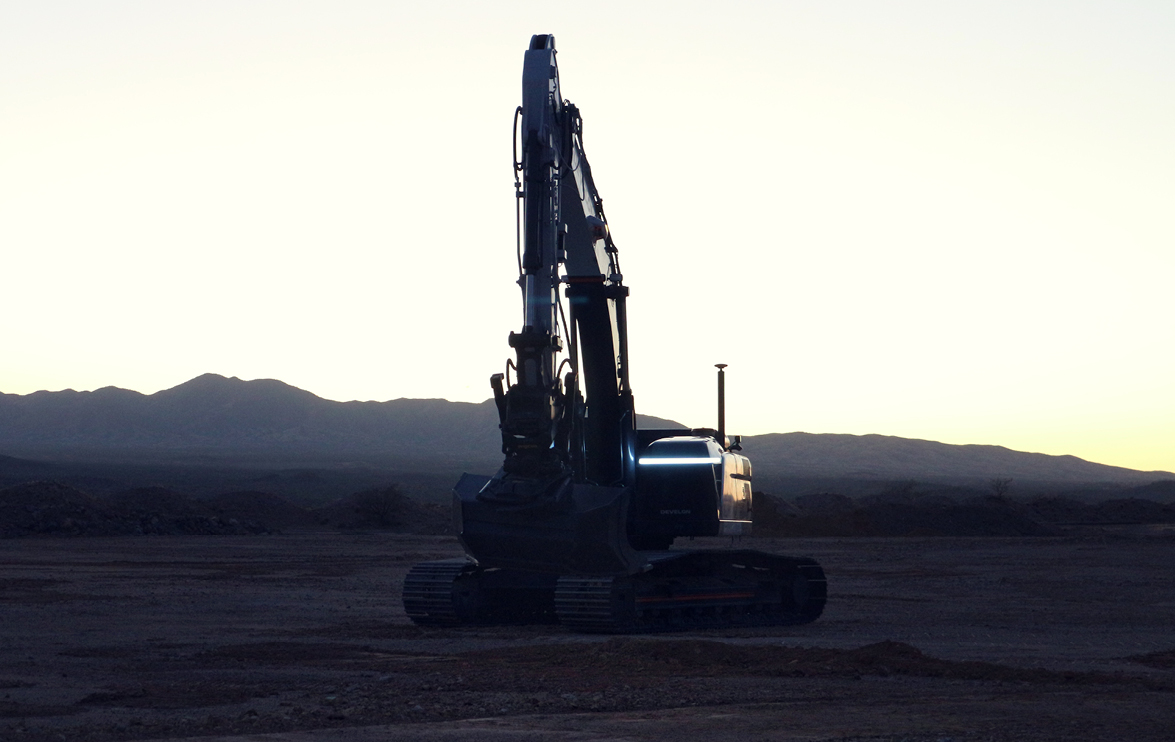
216	416
879	457
213	418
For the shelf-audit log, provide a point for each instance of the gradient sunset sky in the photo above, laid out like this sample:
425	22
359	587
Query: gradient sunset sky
952	221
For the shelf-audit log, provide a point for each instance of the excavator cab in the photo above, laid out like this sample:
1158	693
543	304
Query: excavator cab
735	511
687	485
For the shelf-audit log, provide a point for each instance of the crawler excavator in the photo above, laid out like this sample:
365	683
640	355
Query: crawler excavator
577	525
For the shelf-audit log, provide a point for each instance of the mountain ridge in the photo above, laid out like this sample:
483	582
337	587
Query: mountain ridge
214	415
874	456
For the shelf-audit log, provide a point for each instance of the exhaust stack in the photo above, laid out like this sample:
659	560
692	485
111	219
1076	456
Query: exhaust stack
721	404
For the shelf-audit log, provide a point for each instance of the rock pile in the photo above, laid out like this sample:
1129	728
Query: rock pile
262	507
907	513
54	509
1130	510
384	508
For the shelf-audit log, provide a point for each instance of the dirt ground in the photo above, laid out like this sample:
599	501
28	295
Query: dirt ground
301	637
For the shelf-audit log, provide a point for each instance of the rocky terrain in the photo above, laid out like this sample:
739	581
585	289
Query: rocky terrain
911	514
51	509
302	637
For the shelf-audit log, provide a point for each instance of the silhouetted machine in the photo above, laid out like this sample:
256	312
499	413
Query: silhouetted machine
577	524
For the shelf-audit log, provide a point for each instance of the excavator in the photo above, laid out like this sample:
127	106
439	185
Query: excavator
577	526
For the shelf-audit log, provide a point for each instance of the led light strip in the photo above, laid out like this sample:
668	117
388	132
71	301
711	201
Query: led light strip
668	461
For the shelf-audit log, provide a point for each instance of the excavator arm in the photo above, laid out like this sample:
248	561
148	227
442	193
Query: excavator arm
548	427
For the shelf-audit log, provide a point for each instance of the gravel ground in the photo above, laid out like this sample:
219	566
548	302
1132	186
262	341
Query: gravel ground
301	637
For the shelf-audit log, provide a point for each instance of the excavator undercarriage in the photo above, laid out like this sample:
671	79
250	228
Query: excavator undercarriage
682	590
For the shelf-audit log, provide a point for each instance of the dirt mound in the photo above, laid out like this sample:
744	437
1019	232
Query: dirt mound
705	658
1161	660
835	515
273	510
157	501
981	516
53	509
906	511
1056	509
384	508
1131	510
824	504
159	511
1162	490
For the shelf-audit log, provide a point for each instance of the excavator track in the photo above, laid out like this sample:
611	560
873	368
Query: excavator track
681	591
456	592
695	591
434	593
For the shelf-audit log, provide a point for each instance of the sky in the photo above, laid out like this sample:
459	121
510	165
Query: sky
948	221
